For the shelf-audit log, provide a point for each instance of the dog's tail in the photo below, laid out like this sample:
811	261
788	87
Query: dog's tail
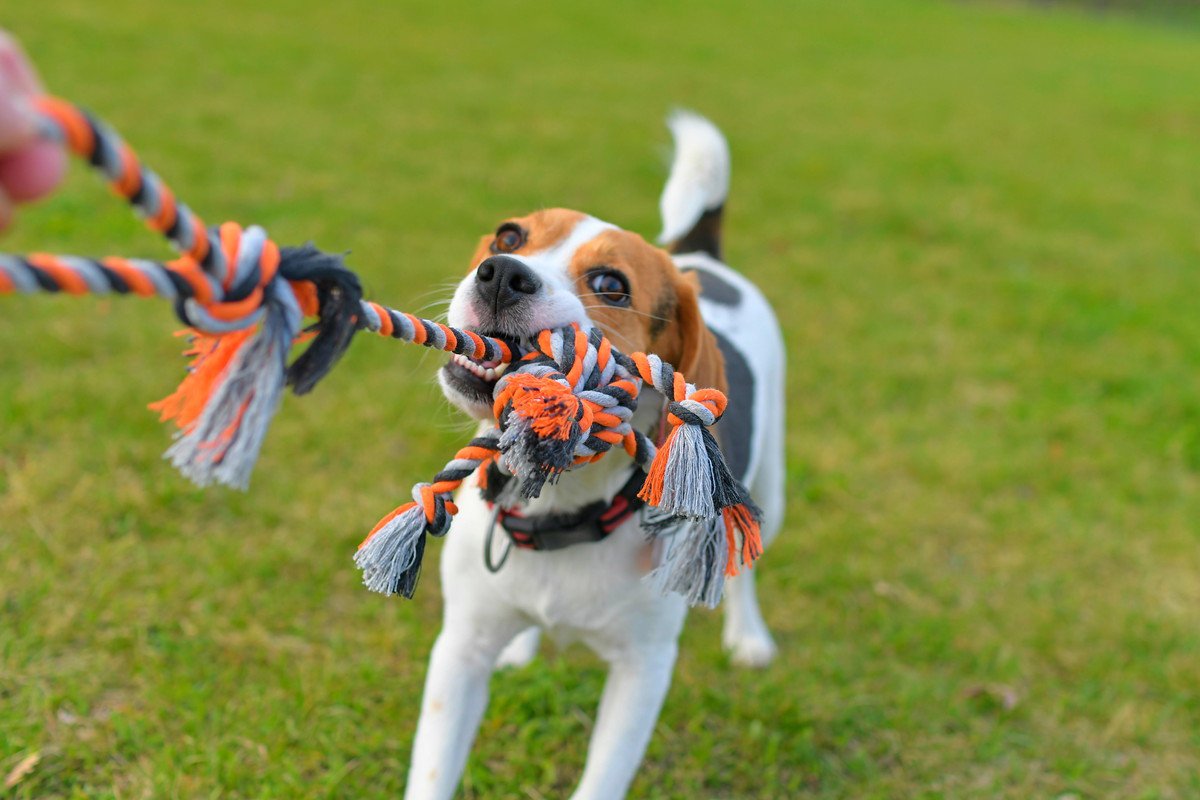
693	201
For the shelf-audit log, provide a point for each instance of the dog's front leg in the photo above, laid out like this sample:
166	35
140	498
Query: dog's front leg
456	694
633	695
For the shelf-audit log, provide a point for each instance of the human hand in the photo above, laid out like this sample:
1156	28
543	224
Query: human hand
29	168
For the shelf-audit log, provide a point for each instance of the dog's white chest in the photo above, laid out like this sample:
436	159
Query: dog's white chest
592	592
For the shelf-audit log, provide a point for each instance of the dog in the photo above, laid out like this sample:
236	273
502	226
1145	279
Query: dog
574	561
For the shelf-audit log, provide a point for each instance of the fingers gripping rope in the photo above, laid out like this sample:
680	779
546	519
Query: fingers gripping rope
243	296
567	401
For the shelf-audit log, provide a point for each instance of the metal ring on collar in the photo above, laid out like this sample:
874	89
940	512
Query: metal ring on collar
492	566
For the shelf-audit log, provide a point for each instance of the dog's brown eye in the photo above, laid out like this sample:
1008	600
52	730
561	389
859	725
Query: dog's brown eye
611	286
509	237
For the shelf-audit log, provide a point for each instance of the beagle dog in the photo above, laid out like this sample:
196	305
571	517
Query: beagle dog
574	561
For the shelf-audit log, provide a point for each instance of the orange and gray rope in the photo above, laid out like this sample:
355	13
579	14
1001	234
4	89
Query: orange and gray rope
566	402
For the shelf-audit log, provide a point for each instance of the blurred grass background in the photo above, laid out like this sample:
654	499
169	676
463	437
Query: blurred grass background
979	225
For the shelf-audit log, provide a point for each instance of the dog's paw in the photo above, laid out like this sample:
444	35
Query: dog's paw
521	650
754	649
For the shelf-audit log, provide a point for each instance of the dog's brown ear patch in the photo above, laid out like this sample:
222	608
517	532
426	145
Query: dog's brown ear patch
688	343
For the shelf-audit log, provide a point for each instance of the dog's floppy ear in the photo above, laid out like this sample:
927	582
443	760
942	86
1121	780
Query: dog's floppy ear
689	344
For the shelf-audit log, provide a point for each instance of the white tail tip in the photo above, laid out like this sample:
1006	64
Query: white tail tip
699	179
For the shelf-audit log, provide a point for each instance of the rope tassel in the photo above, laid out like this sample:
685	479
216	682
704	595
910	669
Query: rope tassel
690	480
223	443
698	555
694	562
390	557
681	477
688	476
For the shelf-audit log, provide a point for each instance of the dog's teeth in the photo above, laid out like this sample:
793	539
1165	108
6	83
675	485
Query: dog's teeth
486	370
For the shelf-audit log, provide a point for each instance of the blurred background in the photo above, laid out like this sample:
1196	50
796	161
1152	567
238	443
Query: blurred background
978	222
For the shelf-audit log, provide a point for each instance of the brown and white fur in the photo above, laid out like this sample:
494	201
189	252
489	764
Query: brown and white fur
560	267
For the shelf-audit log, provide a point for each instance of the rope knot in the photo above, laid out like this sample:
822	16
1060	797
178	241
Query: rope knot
543	423
241	263
554	411
700	407
435	506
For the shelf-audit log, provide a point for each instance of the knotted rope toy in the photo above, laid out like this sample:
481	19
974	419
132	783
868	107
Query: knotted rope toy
566	401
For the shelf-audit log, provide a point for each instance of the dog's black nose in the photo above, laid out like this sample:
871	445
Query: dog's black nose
503	280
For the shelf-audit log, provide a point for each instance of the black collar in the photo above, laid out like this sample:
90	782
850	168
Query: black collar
592	523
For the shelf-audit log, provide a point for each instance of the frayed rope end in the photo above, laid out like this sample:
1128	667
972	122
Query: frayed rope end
391	555
224	406
694	562
698	555
742	520
682	477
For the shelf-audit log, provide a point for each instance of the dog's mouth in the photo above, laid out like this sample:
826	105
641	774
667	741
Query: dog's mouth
471	381
475	380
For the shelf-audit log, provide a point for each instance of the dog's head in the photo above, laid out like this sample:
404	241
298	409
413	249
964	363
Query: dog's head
556	267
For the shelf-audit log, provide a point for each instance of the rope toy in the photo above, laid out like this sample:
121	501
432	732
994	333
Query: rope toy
566	400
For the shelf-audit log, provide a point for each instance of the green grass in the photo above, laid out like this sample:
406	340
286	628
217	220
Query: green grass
979	223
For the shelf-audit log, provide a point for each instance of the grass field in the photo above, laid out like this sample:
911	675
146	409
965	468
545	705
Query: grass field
979	223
